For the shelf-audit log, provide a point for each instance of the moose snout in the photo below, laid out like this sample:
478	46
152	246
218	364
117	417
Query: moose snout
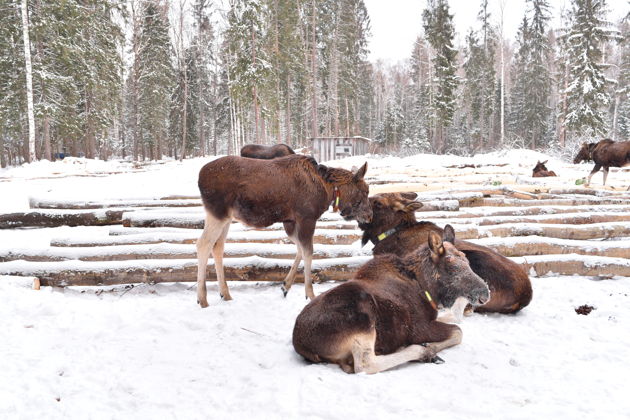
481	296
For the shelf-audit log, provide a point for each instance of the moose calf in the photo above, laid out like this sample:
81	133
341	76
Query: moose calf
605	153
258	151
294	190
394	229
386	314
540	170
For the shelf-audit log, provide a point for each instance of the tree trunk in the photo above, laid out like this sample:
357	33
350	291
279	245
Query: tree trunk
3	162
29	83
287	120
314	123
46	130
90	135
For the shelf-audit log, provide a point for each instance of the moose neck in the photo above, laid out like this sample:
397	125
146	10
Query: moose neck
419	266
333	178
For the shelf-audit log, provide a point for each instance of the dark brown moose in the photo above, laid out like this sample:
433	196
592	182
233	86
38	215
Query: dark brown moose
258	151
294	190
605	153
540	170
394	229
386	315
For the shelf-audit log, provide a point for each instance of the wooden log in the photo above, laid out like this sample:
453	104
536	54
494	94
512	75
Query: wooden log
581	265
538	245
52	218
78	273
196	221
322	236
566	218
561	231
43	203
502	202
521	211
163	251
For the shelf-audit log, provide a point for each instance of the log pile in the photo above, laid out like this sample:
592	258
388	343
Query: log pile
546	229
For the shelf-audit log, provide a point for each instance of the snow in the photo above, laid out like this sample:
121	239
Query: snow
149	351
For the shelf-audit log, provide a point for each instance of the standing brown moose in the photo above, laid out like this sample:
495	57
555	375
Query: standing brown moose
258	151
605	153
540	170
294	190
387	314
394	229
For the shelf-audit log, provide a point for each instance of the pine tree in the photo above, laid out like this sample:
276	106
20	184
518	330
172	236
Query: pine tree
439	30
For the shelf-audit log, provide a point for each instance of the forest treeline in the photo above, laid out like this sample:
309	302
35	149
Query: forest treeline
144	79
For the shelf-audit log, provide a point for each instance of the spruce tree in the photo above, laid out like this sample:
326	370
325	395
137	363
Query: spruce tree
155	79
439	30
587	90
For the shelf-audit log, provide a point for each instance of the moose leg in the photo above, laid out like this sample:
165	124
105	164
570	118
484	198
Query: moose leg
305	237
366	360
288	280
217	254
605	174
593	172
289	228
442	336
455	313
212	229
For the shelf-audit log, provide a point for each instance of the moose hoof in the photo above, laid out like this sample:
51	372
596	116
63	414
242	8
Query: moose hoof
437	360
226	296
284	291
203	303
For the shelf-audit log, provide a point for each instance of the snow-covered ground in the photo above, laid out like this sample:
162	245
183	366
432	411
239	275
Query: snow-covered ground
150	352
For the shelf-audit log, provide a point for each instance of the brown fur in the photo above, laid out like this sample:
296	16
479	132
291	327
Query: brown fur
540	170
294	190
384	308
510	286
605	153
258	151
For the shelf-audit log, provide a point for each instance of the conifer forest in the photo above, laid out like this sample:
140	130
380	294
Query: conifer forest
148	79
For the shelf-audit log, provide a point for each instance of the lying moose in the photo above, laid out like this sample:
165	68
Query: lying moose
294	190
383	317
540	170
258	151
394	229
605	153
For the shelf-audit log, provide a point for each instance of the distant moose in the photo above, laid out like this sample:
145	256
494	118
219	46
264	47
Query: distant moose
294	190
394	229
386	315
258	151
540	170
605	153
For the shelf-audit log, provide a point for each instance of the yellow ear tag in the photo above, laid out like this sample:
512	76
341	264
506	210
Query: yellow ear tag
337	201
428	295
382	236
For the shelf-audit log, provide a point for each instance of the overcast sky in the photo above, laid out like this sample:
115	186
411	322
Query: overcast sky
396	23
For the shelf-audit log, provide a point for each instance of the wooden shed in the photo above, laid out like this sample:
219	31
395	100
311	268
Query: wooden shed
331	148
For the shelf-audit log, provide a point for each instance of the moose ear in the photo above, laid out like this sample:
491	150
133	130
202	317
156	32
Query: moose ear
435	244
361	172
413	206
449	234
544	162
409	195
